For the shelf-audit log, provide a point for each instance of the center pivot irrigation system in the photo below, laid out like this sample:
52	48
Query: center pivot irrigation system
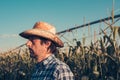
91	23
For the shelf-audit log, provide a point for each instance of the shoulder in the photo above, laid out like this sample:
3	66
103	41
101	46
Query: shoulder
60	64
62	71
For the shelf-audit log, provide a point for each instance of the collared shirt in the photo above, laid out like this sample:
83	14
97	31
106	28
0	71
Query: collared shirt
52	69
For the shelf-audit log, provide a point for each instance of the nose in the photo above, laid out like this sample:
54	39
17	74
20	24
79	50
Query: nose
28	44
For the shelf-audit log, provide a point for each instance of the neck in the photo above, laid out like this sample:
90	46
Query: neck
41	58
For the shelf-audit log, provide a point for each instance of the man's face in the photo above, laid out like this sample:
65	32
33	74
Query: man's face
36	49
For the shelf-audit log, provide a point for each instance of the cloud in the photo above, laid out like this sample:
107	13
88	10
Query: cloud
8	35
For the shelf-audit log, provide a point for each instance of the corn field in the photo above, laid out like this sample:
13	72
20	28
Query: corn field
98	61
16	65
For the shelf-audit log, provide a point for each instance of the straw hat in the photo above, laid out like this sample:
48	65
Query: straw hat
45	30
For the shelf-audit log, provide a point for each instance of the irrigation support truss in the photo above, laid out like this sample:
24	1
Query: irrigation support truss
91	23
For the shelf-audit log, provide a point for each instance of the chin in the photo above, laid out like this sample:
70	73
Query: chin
32	55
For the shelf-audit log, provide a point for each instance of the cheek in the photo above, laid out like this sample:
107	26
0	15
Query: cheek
40	49
37	49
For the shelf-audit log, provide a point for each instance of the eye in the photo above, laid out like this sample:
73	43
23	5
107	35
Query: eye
32	40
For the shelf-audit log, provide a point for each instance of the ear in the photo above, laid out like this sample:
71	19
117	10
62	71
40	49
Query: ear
48	43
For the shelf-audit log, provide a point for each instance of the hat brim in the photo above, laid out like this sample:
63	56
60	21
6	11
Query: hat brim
41	33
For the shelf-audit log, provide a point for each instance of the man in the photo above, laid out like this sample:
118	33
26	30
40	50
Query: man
42	43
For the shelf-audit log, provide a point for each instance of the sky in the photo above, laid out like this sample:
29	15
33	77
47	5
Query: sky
19	15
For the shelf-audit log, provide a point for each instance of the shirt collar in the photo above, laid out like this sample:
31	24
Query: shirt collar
46	61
